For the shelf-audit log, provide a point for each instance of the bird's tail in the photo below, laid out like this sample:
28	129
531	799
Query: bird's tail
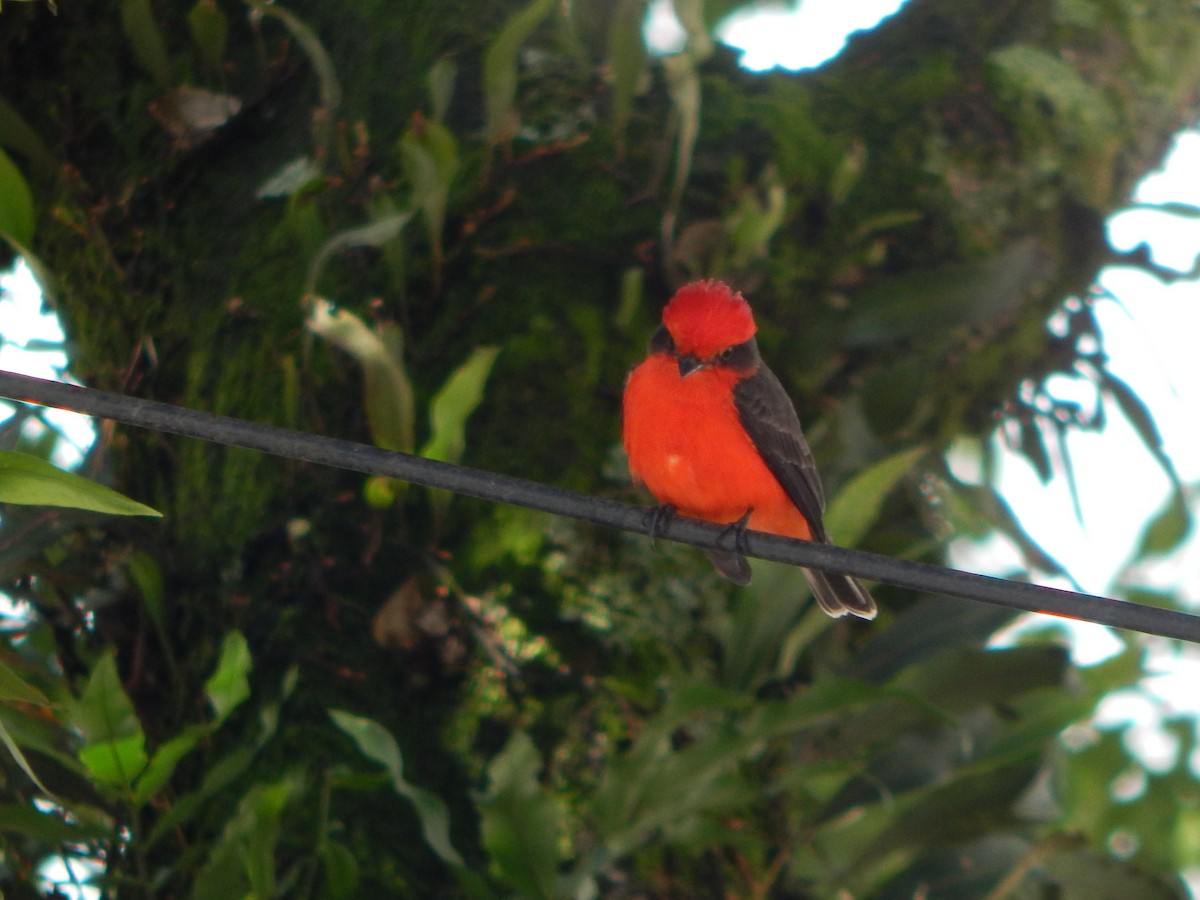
836	593
730	564
839	594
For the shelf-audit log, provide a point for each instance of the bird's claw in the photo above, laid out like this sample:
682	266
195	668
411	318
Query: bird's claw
738	530
657	519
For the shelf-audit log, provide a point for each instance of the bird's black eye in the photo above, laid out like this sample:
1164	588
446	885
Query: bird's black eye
740	356
662	342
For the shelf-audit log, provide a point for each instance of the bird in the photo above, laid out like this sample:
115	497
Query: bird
712	434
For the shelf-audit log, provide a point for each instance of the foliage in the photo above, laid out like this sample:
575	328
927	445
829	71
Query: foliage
16	209
448	226
27	480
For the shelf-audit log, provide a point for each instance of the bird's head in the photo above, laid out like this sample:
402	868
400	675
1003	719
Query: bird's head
707	323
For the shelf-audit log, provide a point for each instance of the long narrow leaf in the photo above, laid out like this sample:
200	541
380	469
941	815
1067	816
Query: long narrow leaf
1141	419
500	70
29	481
454	403
375	742
14	687
373	234
16	203
387	391
857	506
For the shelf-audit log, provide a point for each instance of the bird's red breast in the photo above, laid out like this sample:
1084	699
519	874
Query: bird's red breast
686	443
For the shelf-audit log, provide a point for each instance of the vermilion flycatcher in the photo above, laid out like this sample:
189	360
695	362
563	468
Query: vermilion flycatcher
711	432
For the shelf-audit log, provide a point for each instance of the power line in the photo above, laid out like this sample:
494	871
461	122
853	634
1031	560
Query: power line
343	454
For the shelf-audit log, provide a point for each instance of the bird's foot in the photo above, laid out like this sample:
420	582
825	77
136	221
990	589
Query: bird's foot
738	531
657	519
732	563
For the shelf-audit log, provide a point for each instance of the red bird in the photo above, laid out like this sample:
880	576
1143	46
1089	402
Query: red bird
711	432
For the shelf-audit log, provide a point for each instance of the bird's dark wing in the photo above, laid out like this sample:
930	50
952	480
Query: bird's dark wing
767	414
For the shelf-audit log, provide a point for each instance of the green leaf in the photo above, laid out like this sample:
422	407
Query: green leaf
974	510
373	234
680	792
941	622
260	816
228	685
242	864
14	749
927	304
1141	419
146	40
388	394
380	492
653	786
683	84
1120	671
626	61
375	742
632	294
752	635
162	764
18	135
318	57
973	803
996	675
217	778
518	820
34	730
755	220
430	154
29	481
825	702
227	769
114	750
115	763
341	871
209	29
500	70
858	504
848	173
45	827
223	875
290	179
146	574
440	80
1168	529
453	404
1033	448
16	204
15	688
104	711
894	399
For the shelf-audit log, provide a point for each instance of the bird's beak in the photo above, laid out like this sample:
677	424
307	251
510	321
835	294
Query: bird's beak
688	364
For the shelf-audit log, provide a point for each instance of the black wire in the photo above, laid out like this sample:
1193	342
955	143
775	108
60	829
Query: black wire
519	492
